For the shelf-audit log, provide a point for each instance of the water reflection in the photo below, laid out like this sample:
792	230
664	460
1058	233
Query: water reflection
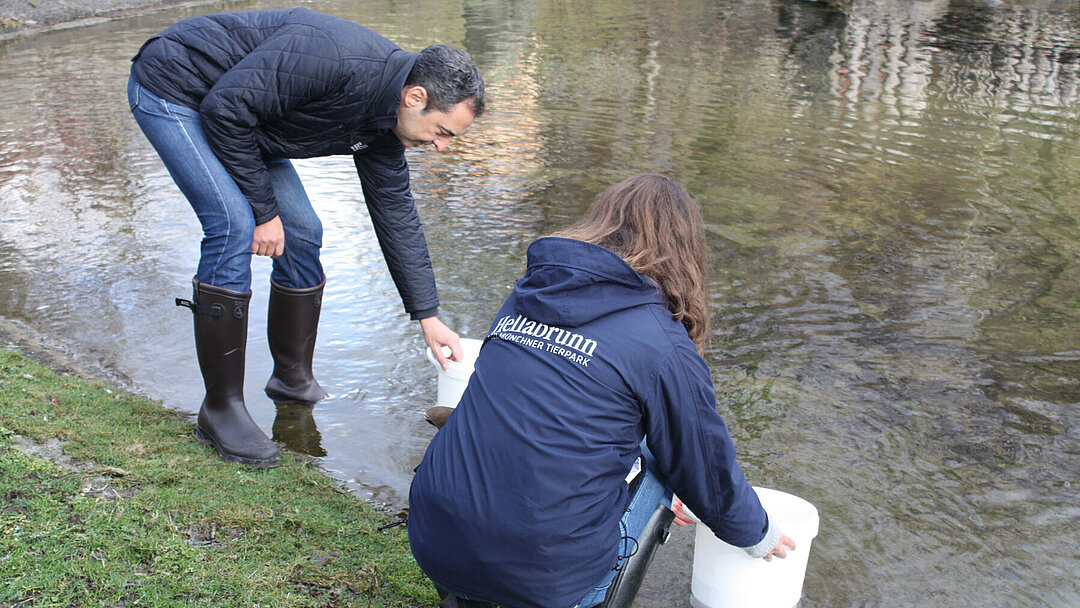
294	425
890	189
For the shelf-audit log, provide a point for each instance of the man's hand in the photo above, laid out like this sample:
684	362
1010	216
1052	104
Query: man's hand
438	335
269	238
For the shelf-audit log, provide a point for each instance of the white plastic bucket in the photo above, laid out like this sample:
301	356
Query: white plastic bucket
452	382
726	577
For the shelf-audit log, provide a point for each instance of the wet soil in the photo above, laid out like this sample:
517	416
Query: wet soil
19	18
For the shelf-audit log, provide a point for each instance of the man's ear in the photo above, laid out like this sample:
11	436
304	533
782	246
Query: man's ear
414	96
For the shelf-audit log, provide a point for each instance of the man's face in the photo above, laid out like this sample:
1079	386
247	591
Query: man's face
417	128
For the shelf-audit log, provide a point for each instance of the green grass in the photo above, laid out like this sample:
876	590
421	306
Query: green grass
155	519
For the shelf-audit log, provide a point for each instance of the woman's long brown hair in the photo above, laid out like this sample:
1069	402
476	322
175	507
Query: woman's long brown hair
655	226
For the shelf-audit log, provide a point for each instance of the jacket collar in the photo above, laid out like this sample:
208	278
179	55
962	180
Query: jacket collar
384	108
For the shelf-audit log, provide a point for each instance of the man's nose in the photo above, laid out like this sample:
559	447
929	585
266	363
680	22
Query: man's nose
440	143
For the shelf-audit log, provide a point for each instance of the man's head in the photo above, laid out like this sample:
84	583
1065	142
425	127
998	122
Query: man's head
442	96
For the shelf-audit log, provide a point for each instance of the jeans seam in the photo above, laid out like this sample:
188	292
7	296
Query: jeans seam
217	191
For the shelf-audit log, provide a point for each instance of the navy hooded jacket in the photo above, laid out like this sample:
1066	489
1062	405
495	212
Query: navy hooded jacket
518	498
297	83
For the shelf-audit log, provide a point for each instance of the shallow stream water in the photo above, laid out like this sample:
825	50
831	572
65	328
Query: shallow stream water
892	190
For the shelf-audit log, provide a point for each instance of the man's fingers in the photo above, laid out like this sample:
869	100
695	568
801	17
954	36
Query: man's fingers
457	353
442	359
267	249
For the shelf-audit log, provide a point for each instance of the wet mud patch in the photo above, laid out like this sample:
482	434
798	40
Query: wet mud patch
51	450
12	503
99	484
102	488
323	577
21	338
211	536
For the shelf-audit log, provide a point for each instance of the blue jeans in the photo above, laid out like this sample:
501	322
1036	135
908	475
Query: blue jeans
227	220
652	491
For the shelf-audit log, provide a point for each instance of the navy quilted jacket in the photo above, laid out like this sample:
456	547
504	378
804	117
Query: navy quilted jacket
299	84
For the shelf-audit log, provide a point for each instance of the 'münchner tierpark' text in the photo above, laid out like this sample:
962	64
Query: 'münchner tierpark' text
555	340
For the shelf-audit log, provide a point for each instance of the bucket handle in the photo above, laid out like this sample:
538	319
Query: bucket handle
431	357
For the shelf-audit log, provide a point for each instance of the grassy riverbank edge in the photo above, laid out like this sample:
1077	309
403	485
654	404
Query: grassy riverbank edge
133	511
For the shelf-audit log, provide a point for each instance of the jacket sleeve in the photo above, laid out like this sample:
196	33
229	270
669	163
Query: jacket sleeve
384	177
286	71
697	456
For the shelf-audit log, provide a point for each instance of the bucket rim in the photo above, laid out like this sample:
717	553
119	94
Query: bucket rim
471	348
800	513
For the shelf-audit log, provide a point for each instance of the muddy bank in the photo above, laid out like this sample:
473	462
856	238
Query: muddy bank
19	337
19	18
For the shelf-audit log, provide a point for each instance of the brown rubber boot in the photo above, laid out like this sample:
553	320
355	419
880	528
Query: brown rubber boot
291	325
221	322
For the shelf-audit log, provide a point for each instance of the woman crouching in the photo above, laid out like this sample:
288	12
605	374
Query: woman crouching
593	365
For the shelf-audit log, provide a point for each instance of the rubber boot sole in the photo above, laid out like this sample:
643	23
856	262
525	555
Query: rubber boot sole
259	463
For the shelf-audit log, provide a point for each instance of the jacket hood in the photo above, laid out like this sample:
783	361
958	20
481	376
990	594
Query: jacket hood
570	283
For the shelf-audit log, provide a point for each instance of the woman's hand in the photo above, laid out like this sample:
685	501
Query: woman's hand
269	238
681	518
784	545
438	335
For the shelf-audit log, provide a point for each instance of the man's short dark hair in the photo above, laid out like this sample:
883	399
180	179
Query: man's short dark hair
450	77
